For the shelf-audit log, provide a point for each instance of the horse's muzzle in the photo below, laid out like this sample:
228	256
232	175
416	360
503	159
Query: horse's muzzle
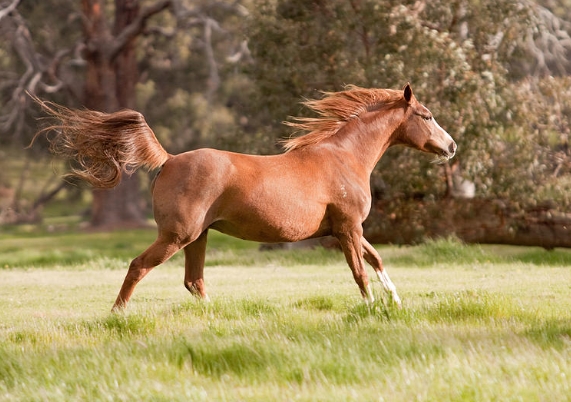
452	150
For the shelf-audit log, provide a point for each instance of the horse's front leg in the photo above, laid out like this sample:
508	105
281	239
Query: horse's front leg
194	255
353	250
373	258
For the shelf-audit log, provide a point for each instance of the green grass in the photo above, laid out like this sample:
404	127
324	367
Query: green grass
478	323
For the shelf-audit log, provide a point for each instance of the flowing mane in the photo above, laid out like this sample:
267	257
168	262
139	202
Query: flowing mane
335	109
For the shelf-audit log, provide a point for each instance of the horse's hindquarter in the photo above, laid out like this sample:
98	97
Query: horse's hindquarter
262	198
185	190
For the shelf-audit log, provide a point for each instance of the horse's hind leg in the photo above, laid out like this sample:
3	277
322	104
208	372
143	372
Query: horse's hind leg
161	250
373	258
194	254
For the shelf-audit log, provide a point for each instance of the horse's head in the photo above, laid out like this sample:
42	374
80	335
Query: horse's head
419	129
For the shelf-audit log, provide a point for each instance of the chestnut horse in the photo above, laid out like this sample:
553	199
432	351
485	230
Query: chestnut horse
318	187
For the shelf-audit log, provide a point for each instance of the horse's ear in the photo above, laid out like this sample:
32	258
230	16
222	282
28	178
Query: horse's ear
407	93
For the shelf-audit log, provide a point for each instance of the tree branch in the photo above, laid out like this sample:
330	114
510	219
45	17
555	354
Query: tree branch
40	72
11	7
214	77
137	26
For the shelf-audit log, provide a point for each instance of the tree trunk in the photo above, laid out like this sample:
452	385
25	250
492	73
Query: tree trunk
110	86
125	64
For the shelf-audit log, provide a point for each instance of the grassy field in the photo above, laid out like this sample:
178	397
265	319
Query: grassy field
478	324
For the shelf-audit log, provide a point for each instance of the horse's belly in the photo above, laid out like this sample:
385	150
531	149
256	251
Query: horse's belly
275	223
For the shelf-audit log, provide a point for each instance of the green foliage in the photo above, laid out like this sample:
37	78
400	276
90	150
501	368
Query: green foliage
190	97
464	59
447	51
372	45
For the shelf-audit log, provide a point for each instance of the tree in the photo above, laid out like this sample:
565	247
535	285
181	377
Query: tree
111	76
476	65
495	73
99	68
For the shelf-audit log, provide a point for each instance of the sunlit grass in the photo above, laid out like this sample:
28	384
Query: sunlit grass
477	323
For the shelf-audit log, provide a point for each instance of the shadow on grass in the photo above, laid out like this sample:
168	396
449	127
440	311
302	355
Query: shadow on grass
11	369
550	333
237	358
226	309
320	303
452	250
120	325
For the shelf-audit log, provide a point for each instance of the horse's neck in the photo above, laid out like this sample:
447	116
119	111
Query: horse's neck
367	137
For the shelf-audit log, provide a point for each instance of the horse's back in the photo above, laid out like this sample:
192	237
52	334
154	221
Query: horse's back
264	198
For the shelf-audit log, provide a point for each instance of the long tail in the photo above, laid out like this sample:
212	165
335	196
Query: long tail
104	144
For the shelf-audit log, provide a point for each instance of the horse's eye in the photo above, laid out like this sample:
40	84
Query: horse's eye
427	118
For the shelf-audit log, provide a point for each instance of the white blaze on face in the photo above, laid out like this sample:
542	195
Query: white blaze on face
442	139
448	137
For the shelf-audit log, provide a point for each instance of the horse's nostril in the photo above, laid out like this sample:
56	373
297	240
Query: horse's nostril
452	148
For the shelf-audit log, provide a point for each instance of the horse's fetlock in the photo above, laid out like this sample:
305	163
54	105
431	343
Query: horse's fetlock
196	288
